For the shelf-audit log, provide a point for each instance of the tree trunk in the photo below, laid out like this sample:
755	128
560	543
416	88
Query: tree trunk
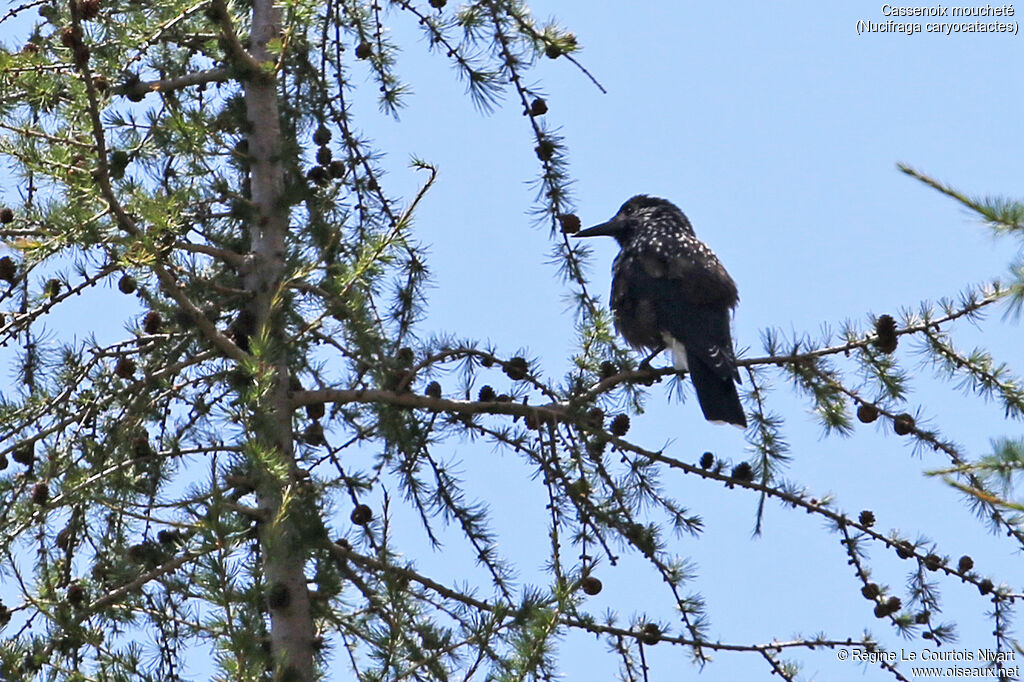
283	556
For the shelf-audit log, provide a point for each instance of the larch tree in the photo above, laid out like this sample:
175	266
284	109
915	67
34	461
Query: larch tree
192	485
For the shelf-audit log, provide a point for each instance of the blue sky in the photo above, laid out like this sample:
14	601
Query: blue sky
776	128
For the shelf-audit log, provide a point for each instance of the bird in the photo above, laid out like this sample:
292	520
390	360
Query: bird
669	290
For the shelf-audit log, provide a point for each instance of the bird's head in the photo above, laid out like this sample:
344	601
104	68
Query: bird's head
638	214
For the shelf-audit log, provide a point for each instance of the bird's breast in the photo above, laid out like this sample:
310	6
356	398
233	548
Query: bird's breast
636	317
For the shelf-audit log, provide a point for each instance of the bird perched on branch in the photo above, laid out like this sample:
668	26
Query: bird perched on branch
670	291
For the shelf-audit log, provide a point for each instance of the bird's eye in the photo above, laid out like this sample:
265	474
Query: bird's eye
628	209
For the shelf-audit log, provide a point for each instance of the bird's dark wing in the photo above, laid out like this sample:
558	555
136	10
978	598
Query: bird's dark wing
704	330
684	308
688	260
690	301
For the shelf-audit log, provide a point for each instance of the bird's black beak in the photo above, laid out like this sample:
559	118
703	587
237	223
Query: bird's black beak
608	229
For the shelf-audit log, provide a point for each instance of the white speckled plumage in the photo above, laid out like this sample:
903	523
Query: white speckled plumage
669	290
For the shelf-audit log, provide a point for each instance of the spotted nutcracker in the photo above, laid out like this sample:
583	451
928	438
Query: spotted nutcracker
670	291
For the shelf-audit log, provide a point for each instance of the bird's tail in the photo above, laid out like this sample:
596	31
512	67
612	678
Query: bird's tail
716	394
